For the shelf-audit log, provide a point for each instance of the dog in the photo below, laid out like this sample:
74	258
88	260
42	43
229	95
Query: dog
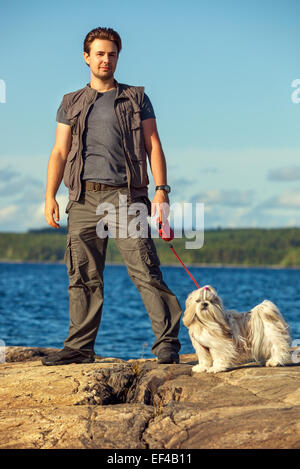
222	338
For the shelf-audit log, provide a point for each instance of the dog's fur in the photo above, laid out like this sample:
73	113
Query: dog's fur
222	338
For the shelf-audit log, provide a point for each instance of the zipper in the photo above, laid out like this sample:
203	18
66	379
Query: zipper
125	153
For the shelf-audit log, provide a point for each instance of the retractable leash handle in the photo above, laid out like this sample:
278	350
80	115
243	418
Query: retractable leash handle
165	231
167	234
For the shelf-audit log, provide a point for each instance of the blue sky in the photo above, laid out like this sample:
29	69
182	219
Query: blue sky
219	74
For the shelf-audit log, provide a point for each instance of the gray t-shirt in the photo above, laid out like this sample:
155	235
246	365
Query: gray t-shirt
103	154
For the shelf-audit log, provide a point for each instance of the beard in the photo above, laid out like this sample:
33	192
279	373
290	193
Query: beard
103	76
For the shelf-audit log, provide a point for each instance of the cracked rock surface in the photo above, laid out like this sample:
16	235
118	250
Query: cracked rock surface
139	404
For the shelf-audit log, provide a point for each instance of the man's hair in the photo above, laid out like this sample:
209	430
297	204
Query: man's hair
102	33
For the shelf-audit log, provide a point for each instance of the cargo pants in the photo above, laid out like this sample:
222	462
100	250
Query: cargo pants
85	260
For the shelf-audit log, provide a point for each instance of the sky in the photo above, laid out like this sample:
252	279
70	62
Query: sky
222	78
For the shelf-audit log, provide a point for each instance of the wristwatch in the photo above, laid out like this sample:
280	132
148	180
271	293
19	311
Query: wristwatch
164	188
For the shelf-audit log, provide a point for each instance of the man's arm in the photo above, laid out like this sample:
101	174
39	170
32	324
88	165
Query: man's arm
157	163
56	166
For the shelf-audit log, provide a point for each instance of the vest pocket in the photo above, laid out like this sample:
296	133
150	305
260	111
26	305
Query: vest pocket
137	135
69	205
69	172
135	119
74	148
72	115
139	173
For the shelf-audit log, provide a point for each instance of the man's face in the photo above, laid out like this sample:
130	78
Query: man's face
102	59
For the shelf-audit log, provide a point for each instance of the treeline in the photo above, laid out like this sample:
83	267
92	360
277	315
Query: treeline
246	247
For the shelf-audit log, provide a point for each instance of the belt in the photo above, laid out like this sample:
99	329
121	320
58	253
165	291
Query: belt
98	186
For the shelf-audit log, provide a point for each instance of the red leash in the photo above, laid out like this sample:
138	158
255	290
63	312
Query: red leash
169	238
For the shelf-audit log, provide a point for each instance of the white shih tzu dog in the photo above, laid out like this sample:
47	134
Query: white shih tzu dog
221	338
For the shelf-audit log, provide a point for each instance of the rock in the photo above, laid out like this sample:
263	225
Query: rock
22	354
139	404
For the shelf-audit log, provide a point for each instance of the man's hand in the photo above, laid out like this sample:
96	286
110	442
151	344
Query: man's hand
56	166
52	207
160	205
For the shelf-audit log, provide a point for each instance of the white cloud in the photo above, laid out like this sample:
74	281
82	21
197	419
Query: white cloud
237	168
8	173
24	216
286	200
233	198
290	173
23	201
7	214
249	217
237	187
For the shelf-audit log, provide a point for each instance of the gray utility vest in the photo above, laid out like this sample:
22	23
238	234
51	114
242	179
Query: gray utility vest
127	104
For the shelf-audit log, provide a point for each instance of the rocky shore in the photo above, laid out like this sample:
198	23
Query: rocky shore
139	404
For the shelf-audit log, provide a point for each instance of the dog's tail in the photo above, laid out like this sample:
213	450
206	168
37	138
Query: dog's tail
269	334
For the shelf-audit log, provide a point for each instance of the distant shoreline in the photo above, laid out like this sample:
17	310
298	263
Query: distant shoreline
213	266
235	249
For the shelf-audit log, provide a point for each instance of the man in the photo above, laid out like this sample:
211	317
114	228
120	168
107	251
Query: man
104	133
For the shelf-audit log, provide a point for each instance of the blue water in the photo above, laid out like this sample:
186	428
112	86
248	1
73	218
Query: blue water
34	304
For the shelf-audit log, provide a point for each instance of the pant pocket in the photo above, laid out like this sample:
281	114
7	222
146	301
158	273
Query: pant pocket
68	259
148	252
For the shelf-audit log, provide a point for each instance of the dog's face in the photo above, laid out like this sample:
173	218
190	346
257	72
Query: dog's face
200	303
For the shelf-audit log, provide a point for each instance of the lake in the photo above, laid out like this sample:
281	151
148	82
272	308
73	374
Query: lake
34	303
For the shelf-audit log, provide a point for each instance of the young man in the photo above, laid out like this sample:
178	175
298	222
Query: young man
104	133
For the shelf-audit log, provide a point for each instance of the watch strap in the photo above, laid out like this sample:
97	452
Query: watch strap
163	187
